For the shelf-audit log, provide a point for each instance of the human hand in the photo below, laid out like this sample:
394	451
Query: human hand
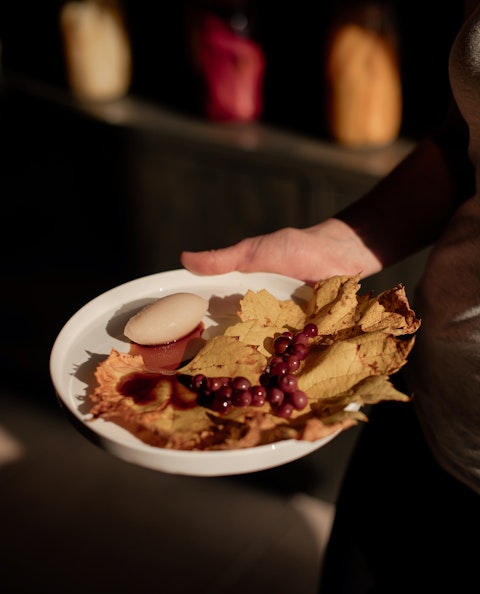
311	254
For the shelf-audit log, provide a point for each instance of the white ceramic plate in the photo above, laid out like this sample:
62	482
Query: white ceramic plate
88	337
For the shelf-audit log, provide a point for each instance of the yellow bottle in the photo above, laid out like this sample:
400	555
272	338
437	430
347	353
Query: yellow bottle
97	49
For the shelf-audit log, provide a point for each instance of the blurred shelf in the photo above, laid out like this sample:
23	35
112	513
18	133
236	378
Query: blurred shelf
250	140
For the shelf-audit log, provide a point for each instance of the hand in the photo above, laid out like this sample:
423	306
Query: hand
311	254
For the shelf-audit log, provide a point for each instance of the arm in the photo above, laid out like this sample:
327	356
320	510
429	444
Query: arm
405	212
409	208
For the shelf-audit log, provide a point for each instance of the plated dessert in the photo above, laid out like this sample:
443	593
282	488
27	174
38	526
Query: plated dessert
282	369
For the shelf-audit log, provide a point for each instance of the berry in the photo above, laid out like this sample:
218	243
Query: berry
240	383
215	383
287	383
281	344
311	330
224	392
241	398
293	363
300	338
221	404
279	369
276	360
275	396
299	399
300	350
285	410
198	382
259	395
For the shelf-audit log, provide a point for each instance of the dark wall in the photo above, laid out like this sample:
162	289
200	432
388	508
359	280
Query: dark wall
65	227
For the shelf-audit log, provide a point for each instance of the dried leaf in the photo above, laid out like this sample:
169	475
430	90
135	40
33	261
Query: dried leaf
253	333
226	356
267	311
334	369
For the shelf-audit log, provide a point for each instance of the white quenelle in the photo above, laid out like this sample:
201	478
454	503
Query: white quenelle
166	319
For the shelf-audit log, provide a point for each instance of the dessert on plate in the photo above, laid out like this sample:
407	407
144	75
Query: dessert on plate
282	370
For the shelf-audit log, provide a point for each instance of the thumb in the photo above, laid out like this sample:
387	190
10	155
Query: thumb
215	261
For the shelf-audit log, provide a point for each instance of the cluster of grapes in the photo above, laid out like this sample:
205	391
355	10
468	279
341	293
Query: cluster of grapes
278	383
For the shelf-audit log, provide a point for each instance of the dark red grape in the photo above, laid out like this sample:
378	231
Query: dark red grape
240	383
198	382
281	344
221	404
311	330
224	392
287	383
241	398
300	350
275	396
293	363
279	369
259	395
215	383
299	399
276	360
285	410
300	338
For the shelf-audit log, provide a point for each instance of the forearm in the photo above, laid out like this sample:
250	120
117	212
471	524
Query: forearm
409	208
405	212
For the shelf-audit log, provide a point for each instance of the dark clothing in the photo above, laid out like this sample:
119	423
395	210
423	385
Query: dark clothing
402	524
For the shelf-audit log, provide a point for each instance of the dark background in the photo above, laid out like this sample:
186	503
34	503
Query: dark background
66	208
76	519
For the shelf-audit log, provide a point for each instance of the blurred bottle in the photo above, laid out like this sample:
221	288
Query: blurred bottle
97	49
228	60
363	80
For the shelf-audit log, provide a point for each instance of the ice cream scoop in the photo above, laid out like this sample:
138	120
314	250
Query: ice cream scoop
166	319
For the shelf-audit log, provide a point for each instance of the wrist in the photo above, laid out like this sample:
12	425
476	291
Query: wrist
345	250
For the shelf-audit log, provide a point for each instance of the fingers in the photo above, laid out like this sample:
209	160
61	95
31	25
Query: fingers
266	253
211	261
273	252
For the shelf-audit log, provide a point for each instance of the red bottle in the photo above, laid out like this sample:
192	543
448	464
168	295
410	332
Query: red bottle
229	62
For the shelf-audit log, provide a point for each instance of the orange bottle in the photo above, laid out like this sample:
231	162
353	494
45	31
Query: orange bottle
363	80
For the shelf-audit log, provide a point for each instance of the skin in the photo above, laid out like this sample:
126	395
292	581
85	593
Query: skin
403	213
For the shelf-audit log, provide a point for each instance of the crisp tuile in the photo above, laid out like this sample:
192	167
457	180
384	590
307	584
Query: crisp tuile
362	341
267	311
332	369
226	356
333	307
316	428
389	312
254	334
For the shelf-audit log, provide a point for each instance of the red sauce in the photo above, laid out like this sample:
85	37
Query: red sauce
142	388
170	355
